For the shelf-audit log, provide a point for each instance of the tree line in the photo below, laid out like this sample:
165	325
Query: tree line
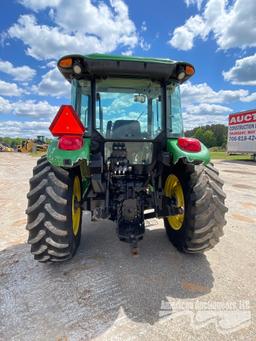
214	135
13	142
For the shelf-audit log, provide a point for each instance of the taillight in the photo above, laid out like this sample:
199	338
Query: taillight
70	142
189	144
67	122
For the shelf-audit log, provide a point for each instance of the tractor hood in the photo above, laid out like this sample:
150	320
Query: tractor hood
101	65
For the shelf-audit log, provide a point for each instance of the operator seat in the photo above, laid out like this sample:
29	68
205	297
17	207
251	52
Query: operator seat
126	129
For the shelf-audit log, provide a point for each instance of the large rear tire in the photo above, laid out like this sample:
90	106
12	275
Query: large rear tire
198	190
54	213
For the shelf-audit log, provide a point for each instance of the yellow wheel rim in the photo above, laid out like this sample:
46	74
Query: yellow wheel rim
173	189
76	210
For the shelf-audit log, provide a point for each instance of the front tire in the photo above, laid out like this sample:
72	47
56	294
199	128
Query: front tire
54	213
201	225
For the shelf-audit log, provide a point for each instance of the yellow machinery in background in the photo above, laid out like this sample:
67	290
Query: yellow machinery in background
36	145
5	148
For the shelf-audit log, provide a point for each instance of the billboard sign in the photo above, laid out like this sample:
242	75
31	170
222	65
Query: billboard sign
242	132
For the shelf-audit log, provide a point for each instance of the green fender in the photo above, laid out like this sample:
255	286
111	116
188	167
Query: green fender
67	158
71	158
178	153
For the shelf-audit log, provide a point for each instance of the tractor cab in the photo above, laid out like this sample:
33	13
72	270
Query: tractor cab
127	98
132	100
40	139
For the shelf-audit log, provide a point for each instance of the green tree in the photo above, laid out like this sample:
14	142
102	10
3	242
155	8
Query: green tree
219	132
209	139
199	134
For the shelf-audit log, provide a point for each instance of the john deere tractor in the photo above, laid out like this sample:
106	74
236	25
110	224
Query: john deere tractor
120	153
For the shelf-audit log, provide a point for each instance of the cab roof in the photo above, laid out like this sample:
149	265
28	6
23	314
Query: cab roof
103	65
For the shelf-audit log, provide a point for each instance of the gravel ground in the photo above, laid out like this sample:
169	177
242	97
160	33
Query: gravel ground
105	293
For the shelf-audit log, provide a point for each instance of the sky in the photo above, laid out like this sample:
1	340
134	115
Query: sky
217	36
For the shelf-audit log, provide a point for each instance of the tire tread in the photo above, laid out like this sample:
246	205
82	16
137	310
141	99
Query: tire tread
47	213
205	223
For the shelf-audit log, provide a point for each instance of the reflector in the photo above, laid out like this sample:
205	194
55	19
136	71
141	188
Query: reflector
66	122
70	142
189	144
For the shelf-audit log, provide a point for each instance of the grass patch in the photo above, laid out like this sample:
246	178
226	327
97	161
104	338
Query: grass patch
225	156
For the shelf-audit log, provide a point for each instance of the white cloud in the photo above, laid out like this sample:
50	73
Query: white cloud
20	73
182	39
41	109
24	129
192	121
198	3
10	89
204	109
28	108
144	26
232	25
53	84
250	98
5	105
97	28
202	105
45	42
183	36
51	64
144	45
244	71
127	53
237	28
203	93
39	4
109	23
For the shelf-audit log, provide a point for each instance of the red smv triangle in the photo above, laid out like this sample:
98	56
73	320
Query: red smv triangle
66	122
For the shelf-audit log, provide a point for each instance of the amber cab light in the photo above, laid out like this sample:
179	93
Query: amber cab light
67	122
189	70
189	144
70	142
66	63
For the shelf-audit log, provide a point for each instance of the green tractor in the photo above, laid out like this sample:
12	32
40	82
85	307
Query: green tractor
120	153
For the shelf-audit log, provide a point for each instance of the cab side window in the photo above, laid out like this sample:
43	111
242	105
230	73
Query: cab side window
81	101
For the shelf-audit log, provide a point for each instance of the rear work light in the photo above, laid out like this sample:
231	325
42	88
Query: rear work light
189	144
70	142
68	127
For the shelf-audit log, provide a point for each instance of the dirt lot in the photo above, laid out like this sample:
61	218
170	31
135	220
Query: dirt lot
104	293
